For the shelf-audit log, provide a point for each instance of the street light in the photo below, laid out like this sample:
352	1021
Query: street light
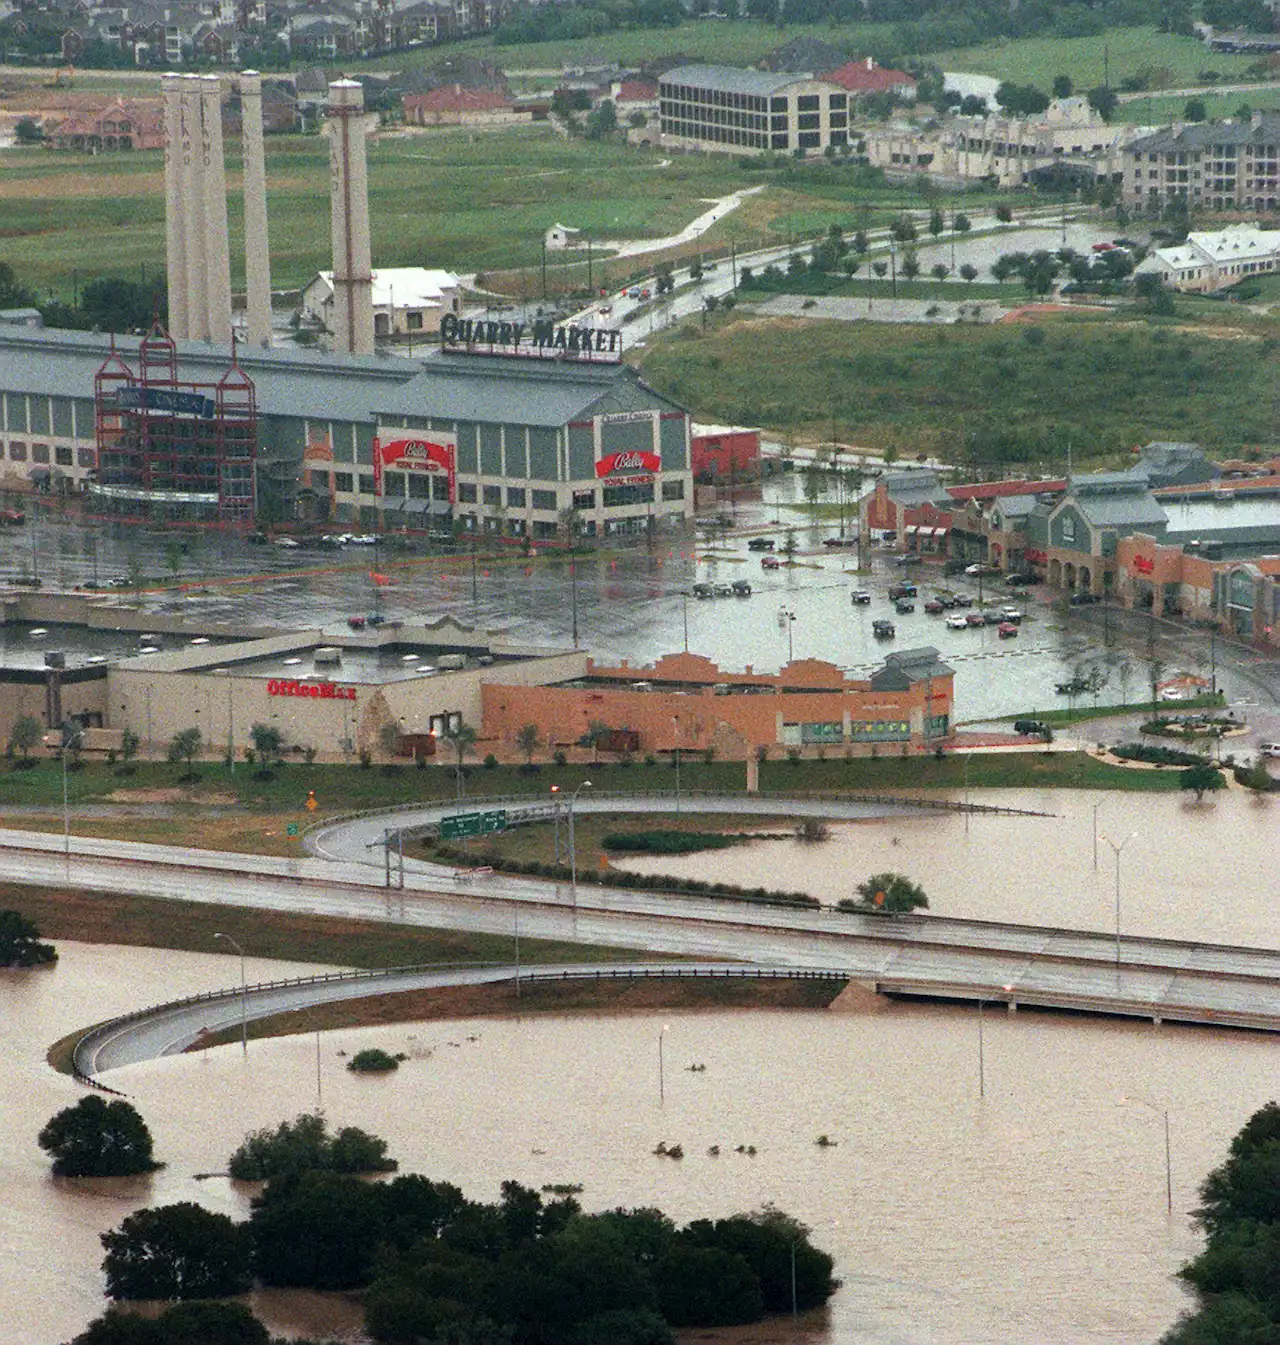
684	595
982	1073
244	995
555	799
675	734
1162	1112
662	1087
788	619
71	737
573	854
1118	849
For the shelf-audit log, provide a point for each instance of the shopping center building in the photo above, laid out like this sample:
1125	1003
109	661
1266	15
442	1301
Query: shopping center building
503	429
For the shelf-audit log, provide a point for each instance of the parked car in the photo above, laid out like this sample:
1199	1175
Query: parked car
286	543
356	622
911	558
961	600
1020	580
839	541
975	619
760	544
882	630
1006	630
977	568
860	597
956	622
12	517
360	539
904	605
1012	614
935	607
897	591
741	589
1030	727
770	563
724	590
1073	686
703	591
1084	599
990	617
1269	749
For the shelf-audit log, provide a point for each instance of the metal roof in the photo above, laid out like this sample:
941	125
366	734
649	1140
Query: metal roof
731	79
358	389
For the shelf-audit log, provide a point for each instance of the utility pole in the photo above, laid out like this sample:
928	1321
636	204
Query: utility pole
544	268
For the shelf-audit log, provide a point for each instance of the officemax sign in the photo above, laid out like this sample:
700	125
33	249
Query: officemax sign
316	691
541	337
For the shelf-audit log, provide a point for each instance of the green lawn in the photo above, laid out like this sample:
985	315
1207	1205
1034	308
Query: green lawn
1023	391
1036	60
861	286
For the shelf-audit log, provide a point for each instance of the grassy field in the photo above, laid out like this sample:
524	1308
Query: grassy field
861	287
930	388
723	41
1036	60
1156	111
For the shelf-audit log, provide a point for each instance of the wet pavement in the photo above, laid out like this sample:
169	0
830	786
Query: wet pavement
632	602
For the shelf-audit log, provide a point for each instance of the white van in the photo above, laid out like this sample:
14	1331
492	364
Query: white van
1269	749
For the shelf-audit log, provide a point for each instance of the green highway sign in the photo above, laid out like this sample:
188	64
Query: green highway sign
472	824
291	829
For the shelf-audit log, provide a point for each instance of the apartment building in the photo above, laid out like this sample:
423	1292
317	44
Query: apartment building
1219	165
715	107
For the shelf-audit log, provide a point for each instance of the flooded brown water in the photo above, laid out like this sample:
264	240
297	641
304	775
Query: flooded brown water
1187	871
1035	1214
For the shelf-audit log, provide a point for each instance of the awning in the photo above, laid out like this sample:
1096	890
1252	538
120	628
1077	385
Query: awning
912	527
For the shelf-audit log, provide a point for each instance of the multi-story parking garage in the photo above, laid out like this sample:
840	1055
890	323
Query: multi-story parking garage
499	432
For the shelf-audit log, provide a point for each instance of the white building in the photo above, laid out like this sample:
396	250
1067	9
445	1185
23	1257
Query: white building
407	300
1210	261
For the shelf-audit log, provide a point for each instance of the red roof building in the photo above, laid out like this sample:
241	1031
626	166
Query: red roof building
983	491
452	105
636	91
866	76
123	124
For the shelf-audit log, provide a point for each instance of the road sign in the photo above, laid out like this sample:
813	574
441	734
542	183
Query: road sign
291	829
311	801
472	824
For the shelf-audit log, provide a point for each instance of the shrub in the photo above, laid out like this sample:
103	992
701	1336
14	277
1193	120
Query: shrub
305	1145
490	761
373	1061
559	758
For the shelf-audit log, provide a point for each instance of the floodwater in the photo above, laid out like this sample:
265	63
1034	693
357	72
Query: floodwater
1034	1213
1206	871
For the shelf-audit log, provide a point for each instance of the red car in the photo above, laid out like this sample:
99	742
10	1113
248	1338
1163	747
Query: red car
770	563
1006	630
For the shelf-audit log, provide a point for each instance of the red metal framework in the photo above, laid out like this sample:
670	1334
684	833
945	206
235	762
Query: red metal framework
169	448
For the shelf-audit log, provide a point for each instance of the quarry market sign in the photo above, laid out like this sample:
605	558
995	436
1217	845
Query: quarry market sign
540	338
437	453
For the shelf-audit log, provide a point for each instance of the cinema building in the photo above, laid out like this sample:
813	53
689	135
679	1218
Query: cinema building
503	430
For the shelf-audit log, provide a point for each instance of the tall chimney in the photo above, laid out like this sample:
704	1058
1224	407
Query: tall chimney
257	257
214	185
190	182
177	147
349	213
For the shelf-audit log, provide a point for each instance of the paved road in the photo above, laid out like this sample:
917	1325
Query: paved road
1157	979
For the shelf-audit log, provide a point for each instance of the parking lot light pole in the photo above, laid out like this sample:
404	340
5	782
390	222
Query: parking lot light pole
1117	848
1163	1113
573	854
244	995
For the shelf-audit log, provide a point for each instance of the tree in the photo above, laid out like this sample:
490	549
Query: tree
388	737
903	229
129	744
176	1252
860	244
1195	110
789	543
939	271
28	131
1004	214
969	272
1062	86
96	1138
706	1286
936	222
267	742
881	269
1021	100
528	740
888	894
25	734
961	224
603	122
1004	267
910	265
1201	780
597	732
113	304
462	739
20	944
185	746
304	1145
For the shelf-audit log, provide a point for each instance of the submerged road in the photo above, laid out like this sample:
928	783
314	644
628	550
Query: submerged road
1157	979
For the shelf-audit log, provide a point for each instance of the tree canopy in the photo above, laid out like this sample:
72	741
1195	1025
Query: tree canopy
1201	780
195	1323
20	944
97	1138
177	1251
887	894
305	1145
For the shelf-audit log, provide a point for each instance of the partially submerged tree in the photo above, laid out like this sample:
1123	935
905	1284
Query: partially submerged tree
887	894
20	944
180	1251
97	1138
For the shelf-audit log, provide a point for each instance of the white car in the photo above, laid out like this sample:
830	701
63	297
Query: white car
286	543
361	539
956	621
975	569
1269	749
